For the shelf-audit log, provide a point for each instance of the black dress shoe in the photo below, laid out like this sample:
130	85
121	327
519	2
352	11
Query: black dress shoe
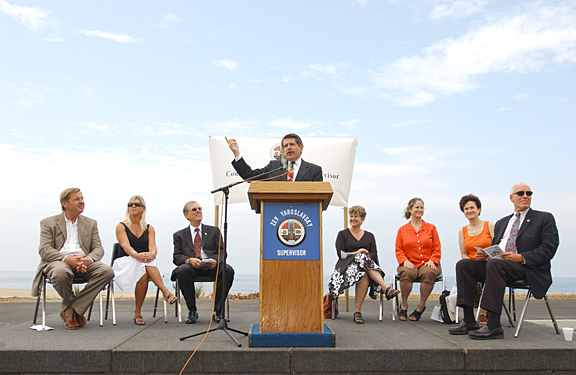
464	328
192	317
216	317
486	333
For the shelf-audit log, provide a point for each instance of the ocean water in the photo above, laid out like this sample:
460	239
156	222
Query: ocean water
251	283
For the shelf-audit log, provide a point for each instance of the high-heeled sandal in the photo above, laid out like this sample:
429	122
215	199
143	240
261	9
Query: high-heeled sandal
391	293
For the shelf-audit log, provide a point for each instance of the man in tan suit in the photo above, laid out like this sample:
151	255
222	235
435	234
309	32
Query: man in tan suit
70	246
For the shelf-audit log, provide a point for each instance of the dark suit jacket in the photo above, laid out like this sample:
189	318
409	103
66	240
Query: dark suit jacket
184	247
53	236
537	241
307	171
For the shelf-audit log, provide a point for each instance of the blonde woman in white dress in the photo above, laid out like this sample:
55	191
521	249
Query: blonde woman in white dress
136	261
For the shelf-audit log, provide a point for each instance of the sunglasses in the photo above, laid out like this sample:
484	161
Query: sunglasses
521	193
194	209
135	204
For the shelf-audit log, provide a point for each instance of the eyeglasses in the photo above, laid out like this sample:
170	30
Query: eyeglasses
194	209
135	204
521	193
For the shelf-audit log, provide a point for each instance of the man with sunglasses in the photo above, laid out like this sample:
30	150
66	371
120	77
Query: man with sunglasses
197	250
529	239
70	246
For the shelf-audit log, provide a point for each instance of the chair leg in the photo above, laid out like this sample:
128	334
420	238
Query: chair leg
113	304
43	303
227	308
165	311
107	300
333	306
37	305
90	311
510	323
528	294
513	294
156	302
551	315
381	306
395	304
101	312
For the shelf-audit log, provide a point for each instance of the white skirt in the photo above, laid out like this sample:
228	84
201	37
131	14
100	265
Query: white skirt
128	270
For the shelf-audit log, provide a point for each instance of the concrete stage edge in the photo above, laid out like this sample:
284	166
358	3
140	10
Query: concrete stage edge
375	347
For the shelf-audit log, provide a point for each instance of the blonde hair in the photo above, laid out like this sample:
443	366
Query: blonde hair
65	195
128	219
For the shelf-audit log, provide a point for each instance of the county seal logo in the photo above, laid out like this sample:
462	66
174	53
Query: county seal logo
276	152
291	232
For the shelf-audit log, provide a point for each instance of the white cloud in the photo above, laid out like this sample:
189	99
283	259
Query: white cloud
106	35
522	97
525	42
226	64
410	122
24	94
232	85
35	19
169	19
327	69
456	8
288	78
350	124
289	123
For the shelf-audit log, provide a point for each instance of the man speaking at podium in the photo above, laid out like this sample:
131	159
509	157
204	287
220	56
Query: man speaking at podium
295	170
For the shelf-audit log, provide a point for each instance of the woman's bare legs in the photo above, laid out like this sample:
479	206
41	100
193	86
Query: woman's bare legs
154	275
140	294
361	290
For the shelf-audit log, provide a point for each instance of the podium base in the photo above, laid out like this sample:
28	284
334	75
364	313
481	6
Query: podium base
257	339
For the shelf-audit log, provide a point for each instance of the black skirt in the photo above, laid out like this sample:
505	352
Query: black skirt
351	270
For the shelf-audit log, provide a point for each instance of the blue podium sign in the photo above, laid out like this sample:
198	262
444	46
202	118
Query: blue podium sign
291	231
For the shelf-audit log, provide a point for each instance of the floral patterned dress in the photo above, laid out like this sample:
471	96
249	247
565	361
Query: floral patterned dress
351	269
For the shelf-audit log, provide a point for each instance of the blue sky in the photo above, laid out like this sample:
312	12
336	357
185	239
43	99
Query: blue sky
444	97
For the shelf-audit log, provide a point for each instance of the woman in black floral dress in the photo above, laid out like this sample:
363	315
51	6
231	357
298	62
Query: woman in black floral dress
358	264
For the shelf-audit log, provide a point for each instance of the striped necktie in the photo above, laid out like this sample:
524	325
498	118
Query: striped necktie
197	244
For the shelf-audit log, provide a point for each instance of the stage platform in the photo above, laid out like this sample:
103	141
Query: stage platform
386	347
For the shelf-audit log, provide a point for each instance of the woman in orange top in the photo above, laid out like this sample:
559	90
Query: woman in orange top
476	234
418	255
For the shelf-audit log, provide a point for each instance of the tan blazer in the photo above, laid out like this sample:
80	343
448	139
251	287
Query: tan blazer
53	236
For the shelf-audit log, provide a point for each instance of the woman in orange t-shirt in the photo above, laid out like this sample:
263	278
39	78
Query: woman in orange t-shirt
477	233
418	254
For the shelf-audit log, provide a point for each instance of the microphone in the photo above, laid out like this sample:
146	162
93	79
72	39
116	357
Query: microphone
284	162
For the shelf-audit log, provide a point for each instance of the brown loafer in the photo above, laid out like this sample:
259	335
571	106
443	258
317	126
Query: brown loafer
69	320
80	319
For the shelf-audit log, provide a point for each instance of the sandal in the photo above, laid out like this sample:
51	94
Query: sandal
391	293
358	319
415	316
403	315
139	321
171	298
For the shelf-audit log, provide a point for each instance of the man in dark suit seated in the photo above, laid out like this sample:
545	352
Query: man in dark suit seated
297	169
70	246
529	239
197	249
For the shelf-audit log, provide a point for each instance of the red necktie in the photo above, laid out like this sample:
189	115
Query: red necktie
511	243
290	174
197	244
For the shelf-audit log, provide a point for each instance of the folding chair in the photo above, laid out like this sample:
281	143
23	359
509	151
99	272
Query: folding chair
115	250
44	279
523	284
396	305
200	279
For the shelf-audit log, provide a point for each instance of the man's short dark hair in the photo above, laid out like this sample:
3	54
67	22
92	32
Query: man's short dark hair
292	135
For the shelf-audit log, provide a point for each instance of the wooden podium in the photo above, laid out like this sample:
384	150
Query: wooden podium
290	289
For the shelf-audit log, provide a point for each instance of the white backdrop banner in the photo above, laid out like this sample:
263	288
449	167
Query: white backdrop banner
335	156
